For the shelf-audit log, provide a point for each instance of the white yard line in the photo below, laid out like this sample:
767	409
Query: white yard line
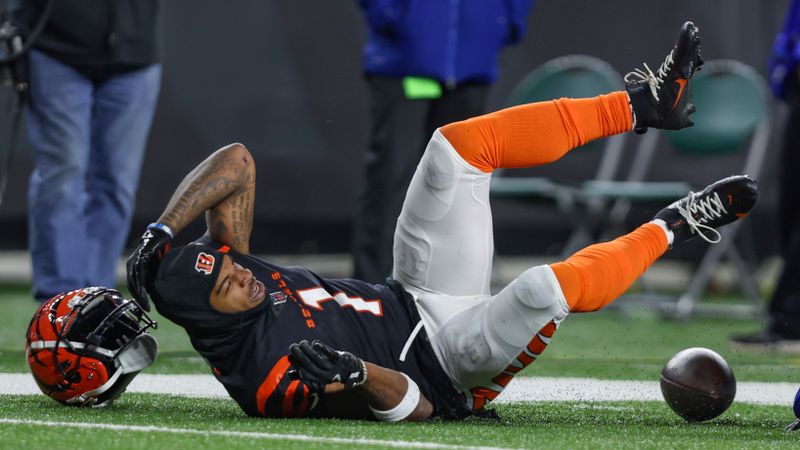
245	434
526	389
522	389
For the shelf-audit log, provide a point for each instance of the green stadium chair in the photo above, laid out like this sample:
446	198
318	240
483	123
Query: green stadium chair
568	76
733	108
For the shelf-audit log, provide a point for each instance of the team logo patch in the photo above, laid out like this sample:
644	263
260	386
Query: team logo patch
205	263
277	298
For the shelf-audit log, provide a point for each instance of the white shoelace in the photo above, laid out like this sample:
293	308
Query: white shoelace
709	208
648	76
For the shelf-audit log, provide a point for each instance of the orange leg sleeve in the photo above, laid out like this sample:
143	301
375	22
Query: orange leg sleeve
537	133
598	274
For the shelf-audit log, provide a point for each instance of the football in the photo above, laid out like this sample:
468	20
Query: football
698	384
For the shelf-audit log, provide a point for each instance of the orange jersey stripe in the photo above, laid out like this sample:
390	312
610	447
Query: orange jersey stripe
482	395
271	382
525	359
490	394
513	369
548	330
477	402
288	399
536	345
503	379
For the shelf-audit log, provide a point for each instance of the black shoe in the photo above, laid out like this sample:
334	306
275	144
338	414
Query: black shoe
661	100
700	214
766	340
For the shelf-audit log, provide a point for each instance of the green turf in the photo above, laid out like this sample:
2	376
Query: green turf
598	345
636	346
635	425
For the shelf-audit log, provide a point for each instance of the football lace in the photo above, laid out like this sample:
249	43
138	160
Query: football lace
706	209
647	75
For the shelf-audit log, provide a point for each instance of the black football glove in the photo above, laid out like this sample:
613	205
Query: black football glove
319	365
144	261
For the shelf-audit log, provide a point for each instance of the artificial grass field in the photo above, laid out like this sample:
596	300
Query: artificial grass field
634	425
599	345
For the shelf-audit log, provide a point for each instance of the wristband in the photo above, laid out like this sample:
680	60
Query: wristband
161	227
403	409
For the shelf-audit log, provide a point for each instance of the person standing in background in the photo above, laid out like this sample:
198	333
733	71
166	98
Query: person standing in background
94	84
427	63
782	330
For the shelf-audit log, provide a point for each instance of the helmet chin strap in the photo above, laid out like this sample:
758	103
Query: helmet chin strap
133	358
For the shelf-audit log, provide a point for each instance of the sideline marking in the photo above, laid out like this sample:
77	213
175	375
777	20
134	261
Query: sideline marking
521	389
245	434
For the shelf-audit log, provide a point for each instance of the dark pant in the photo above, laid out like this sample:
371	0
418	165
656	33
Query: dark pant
400	130
784	308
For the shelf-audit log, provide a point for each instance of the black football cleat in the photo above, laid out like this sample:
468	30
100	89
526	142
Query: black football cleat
661	100
701	213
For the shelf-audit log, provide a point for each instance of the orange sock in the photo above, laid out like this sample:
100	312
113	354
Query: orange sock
537	133
598	274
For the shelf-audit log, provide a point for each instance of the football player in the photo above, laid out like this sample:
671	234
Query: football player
432	341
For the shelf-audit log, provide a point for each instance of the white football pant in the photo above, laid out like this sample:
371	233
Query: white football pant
443	249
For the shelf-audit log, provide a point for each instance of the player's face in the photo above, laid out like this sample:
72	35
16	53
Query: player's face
237	289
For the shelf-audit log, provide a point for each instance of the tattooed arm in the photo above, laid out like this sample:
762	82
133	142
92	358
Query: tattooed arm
222	187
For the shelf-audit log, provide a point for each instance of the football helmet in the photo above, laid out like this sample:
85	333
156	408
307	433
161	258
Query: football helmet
85	346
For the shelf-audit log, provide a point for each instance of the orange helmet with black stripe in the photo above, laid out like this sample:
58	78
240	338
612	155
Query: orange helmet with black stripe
85	346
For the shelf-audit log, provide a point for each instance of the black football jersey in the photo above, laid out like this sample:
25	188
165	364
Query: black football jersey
372	321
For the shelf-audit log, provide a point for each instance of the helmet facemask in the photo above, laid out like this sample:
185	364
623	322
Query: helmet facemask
84	347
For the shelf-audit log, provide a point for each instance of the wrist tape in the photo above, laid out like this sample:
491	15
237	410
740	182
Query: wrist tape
403	409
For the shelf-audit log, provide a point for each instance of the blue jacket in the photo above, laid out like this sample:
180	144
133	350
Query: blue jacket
449	40
786	52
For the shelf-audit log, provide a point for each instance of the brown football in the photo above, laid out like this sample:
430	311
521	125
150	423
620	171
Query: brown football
698	384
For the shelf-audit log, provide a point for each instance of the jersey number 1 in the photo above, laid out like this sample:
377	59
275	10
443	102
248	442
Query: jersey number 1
314	297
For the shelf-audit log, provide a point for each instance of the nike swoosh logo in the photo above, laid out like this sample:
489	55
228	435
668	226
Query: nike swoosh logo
682	83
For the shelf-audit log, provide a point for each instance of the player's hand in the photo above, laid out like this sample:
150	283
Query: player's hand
143	263
319	365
